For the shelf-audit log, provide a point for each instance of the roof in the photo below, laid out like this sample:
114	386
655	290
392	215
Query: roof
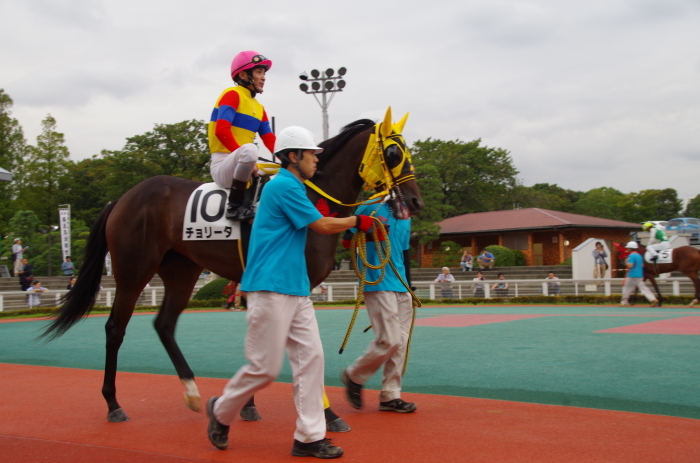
5	175
526	219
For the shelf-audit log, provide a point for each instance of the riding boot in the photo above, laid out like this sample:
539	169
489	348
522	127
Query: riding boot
235	209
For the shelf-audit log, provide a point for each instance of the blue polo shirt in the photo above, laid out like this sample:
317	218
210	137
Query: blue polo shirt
276	260
399	237
637	270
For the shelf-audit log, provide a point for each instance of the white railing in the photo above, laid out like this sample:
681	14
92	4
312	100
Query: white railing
342	291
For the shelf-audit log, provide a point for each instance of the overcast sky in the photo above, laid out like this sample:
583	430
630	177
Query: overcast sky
583	94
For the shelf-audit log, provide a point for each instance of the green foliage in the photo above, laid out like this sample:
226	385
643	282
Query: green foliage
424	226
212	290
449	255
545	196
650	205
472	178
12	147
692	209
519	258
44	166
505	257
600	202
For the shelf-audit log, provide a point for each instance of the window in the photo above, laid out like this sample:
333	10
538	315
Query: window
515	241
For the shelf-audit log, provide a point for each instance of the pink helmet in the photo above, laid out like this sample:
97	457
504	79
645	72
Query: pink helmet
248	60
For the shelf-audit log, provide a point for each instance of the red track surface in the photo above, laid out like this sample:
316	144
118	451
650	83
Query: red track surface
58	415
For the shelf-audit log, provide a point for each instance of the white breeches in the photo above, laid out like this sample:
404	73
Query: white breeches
237	165
277	322
391	314
630	284
654	249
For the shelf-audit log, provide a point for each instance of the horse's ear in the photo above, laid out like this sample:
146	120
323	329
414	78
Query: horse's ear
386	125
402	123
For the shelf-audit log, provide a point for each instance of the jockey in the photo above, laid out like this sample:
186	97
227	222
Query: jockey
236	118
658	241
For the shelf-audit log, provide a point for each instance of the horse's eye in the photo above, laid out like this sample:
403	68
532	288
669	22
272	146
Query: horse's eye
393	156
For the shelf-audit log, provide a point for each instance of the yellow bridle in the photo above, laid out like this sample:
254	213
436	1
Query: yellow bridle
374	169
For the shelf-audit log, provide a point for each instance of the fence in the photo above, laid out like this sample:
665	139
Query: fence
342	291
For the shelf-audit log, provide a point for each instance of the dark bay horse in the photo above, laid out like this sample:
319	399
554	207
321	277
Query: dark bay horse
686	259
143	233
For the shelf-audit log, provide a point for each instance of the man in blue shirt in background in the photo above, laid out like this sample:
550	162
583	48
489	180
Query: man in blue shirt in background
280	312
635	277
390	309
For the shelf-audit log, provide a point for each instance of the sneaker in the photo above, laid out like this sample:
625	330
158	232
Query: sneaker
218	433
319	449
397	405
353	391
654	303
624	304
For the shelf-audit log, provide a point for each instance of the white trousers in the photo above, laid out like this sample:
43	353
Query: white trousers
17	268
630	284
391	314
237	165
275	322
654	249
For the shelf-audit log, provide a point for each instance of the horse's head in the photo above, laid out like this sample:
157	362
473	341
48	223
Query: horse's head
391	169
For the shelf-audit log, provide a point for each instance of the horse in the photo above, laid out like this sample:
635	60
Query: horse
142	230
686	259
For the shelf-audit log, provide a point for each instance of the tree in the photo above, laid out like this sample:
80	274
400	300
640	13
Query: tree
472	178
424	226
546	196
600	202
692	209
42	172
650	205
12	146
24	225
180	150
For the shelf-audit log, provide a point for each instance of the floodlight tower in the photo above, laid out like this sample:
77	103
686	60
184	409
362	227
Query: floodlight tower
323	83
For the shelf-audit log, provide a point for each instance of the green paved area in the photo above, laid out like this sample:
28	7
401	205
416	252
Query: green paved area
551	360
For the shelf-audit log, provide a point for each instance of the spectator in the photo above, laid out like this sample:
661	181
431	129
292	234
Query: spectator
467	261
479	287
17	256
599	264
501	286
553	287
35	291
445	279
71	283
67	267
25	275
486	260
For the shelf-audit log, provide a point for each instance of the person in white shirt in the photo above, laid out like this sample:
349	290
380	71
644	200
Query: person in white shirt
35	291
445	279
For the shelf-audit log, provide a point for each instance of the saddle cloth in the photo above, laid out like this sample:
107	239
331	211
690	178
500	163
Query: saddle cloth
205	216
665	257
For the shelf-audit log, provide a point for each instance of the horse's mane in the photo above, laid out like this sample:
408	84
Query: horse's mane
333	145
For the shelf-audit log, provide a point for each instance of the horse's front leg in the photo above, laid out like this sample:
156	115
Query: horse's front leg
696	284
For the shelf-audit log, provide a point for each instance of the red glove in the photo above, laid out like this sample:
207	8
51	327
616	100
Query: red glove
324	209
380	234
363	222
347	239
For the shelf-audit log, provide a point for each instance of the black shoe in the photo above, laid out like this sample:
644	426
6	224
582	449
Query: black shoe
217	432
353	391
337	425
250	413
397	405
319	449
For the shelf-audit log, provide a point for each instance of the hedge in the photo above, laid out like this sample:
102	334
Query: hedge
212	290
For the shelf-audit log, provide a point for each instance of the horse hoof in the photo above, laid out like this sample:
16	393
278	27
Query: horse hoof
193	402
117	416
250	414
337	425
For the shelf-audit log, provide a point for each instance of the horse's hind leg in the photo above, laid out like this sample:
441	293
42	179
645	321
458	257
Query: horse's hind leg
696	284
179	275
115	329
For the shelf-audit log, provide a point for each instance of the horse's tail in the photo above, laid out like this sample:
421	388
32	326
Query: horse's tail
80	300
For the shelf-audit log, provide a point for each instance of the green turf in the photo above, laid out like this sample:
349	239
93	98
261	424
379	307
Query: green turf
551	360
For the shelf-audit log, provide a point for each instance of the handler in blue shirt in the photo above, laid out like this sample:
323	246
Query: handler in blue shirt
635	277
390	310
280	312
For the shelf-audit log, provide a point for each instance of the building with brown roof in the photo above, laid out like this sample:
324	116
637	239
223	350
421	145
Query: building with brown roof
544	236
